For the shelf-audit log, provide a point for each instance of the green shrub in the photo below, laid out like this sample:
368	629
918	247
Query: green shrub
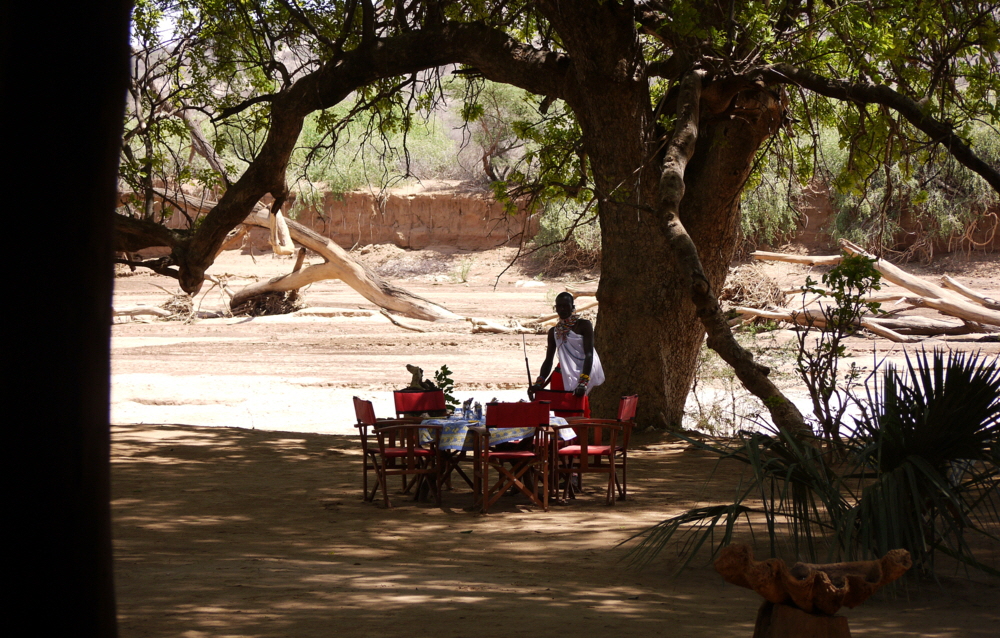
921	474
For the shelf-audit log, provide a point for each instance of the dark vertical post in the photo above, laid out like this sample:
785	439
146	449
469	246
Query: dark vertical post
64	79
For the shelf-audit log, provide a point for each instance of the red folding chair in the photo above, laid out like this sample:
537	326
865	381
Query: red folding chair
400	453
564	403
373	455
410	404
527	466
602	447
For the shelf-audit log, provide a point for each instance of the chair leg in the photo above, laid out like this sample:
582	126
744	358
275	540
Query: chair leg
612	478
364	478
623	488
438	480
383	483
545	488
377	484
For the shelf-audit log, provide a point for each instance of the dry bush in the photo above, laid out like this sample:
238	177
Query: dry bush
270	303
748	285
569	256
180	305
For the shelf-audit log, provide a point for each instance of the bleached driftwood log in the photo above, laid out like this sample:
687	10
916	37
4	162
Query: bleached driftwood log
932	327
809	260
879	298
340	265
140	310
485	325
815	318
580	291
893	327
396	321
951	284
551	319
929	294
900	277
962	310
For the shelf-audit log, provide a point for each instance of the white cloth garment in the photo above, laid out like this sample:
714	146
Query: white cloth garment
571	358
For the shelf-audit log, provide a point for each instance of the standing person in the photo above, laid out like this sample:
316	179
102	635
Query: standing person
573	338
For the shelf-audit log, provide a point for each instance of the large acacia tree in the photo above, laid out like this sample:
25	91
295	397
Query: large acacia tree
669	104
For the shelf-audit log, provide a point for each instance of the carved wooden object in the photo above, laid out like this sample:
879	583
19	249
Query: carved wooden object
812	588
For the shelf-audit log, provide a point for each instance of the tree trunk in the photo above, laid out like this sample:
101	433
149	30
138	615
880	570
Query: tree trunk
648	330
647	318
59	512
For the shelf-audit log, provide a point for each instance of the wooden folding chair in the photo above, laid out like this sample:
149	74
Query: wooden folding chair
367	425
602	447
400	453
527	466
563	403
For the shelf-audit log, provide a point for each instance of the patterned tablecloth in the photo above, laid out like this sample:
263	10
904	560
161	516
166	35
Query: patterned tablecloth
455	433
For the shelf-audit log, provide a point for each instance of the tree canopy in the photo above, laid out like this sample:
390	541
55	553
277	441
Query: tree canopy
656	111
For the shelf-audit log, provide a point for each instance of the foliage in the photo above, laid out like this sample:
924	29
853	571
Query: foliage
338	153
493	116
768	205
921	473
443	380
226	58
848	284
937	199
568	238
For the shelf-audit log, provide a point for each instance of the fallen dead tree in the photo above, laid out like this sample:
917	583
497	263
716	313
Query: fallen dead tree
900	329
816	319
487	326
954	300
338	264
988	302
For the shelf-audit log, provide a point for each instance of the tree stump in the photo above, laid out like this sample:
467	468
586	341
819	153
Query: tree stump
785	621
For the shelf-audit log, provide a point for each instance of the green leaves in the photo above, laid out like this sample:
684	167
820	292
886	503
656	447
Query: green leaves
919	472
443	380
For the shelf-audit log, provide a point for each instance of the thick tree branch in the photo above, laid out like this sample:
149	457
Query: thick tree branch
203	147
939	132
242	106
131	234
160	266
720	338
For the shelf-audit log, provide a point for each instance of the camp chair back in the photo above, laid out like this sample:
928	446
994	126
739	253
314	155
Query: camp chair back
367	424
602	447
410	404
528	463
563	403
400	453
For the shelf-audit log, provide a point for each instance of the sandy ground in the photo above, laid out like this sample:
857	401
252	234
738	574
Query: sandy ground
256	527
